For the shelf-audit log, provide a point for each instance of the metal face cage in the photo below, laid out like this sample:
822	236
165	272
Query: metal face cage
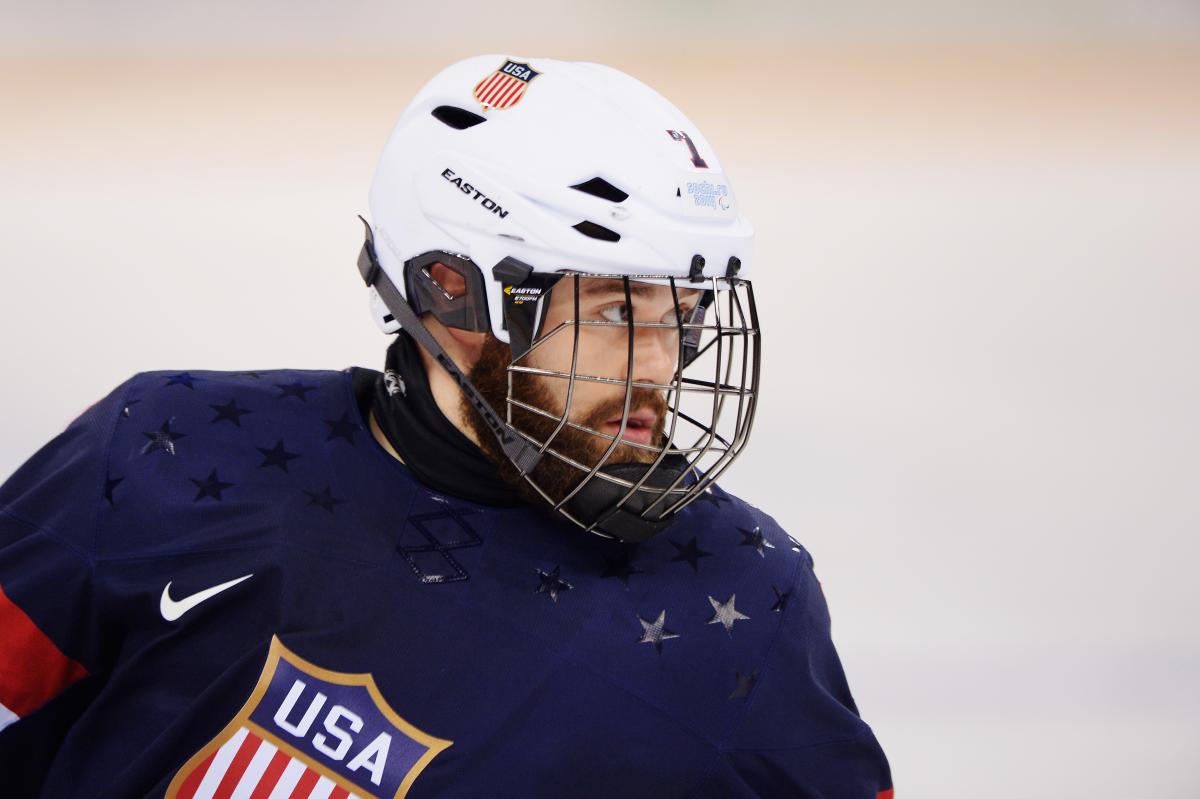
708	413
710	400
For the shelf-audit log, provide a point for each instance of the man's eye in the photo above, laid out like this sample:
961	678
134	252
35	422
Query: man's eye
685	314
615	313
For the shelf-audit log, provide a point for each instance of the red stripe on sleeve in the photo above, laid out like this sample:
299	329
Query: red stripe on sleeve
338	793
888	794
32	669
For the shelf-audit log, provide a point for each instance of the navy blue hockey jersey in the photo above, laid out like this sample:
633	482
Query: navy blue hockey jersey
218	584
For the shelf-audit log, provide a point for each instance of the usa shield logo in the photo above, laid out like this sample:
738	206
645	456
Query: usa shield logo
506	86
306	731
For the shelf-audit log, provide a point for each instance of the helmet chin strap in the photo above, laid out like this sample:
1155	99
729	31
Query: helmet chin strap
598	503
524	455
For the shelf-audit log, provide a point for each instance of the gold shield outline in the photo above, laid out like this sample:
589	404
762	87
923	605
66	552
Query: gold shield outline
277	651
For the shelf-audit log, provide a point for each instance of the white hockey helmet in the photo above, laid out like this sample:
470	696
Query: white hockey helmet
515	171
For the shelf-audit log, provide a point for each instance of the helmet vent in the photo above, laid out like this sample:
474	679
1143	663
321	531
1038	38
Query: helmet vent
457	118
595	231
599	187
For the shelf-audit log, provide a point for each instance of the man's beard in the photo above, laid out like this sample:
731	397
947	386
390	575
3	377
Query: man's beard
490	376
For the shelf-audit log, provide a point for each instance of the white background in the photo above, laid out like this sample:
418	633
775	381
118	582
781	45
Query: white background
978	269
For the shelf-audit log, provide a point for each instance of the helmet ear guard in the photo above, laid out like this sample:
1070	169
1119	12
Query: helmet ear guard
467	310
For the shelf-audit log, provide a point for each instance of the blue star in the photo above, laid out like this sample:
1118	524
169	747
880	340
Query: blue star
690	553
551	584
229	412
323	499
276	456
183	379
342	428
620	566
754	538
162	439
210	486
294	389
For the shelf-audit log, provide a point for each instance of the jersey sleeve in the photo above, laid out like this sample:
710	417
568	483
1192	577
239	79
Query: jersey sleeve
802	735
49	635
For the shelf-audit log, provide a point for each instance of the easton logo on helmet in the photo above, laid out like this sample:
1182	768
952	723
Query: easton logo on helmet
480	197
523	295
506	86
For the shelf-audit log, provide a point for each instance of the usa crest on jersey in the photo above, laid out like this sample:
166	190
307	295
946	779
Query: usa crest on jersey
506	86
306	731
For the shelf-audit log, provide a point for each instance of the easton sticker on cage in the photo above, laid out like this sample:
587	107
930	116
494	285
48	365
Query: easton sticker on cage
307	731
506	86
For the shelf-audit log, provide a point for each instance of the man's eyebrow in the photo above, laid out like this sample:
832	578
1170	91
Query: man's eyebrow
592	287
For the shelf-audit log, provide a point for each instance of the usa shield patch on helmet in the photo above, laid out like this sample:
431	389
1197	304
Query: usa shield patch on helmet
307	731
506	86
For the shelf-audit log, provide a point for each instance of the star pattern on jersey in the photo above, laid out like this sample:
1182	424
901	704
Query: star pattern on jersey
655	632
621	567
294	389
342	428
183	379
781	598
725	614
229	412
276	456
754	538
323	499
552	584
745	684
162	440
689	553
110	483
210	486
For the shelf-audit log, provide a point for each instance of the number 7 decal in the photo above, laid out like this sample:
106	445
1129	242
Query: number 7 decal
697	161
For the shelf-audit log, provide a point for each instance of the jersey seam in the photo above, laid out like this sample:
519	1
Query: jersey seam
53	535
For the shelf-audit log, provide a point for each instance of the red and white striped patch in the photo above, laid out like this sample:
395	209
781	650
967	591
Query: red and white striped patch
499	91
33	670
504	87
249	767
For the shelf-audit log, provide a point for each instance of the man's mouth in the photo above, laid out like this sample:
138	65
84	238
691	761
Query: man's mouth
639	429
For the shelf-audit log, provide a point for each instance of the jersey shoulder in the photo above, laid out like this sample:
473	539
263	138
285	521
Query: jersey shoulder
202	459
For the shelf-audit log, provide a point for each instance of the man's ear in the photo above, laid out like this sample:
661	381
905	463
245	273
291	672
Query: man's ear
449	280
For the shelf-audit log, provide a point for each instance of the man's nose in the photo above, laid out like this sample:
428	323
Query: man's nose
655	355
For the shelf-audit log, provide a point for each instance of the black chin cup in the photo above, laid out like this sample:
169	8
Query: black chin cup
597	502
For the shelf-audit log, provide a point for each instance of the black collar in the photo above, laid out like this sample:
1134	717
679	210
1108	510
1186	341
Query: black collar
434	449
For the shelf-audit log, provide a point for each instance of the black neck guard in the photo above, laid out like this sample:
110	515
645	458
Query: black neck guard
434	449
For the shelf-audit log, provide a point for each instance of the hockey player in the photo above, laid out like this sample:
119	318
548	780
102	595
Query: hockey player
499	568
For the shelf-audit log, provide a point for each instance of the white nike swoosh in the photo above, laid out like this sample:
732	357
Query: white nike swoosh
172	609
